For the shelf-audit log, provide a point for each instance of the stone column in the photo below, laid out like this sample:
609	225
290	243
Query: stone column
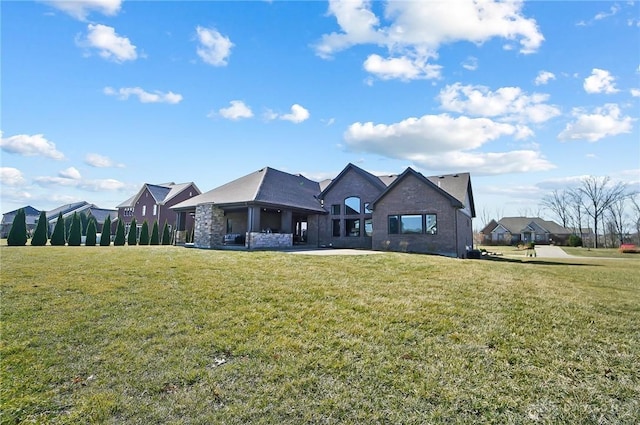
209	226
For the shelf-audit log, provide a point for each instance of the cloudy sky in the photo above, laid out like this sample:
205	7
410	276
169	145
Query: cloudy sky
101	96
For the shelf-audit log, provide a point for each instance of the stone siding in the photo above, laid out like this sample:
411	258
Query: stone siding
257	240
210	227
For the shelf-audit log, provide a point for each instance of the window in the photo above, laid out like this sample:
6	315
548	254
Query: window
336	228
335	209
368	227
431	221
144	210
352	205
411	224
394	224
155	209
367	208
353	227
229	226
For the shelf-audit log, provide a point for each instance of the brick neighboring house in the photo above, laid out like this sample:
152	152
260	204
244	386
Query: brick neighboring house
31	218
274	209
515	230
153	202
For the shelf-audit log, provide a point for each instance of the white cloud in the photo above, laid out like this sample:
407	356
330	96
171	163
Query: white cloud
441	142
470	64
600	81
88	185
297	115
236	111
605	121
80	9
544	77
403	68
144	96
100	161
110	45
416	30
70	173
214	48
11	176
635	92
508	103
612	11
491	163
35	145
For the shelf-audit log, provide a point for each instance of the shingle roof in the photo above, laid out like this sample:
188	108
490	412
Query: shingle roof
374	180
457	185
161	193
518	224
266	186
65	209
410	171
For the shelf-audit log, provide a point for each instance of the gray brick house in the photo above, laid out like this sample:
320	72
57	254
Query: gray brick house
273	209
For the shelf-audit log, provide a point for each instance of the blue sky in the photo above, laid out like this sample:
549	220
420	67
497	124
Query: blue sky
101	96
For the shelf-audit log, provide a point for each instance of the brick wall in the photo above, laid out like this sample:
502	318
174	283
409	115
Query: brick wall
413	196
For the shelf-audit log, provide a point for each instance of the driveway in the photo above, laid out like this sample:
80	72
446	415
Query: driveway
549	251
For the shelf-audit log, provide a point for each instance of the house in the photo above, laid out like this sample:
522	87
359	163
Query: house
274	209
31	218
265	209
80	208
515	230
153	202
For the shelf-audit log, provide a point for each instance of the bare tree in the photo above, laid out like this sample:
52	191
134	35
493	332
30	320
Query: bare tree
558	202
576	210
635	202
618	217
599	194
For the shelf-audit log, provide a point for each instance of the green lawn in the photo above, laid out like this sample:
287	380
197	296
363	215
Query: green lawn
157	335
599	252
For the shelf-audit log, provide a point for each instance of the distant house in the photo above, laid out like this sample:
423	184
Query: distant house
153	202
274	209
89	210
515	230
31	216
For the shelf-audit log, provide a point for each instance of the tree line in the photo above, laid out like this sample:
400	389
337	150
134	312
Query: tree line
605	203
70	232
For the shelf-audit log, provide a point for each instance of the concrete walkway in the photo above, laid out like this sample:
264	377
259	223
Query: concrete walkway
550	251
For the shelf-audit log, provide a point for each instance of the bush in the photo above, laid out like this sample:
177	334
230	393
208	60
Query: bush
58	235
166	235
18	233
574	240
144	233
155	234
105	238
91	233
40	235
75	232
132	239
119	240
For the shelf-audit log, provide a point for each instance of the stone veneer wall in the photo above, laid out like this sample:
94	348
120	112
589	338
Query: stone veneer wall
257	240
210	227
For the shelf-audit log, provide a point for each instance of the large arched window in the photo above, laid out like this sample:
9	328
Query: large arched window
352	205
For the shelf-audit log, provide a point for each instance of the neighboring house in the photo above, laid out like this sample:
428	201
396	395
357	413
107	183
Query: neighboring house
153	202
274	209
90	210
31	218
515	230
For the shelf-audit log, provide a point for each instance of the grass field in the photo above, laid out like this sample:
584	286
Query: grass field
159	335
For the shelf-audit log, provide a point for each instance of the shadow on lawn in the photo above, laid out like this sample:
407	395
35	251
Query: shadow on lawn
537	262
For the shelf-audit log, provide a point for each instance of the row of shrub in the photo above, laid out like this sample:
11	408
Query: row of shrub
18	234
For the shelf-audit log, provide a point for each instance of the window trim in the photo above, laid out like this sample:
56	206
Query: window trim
424	222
